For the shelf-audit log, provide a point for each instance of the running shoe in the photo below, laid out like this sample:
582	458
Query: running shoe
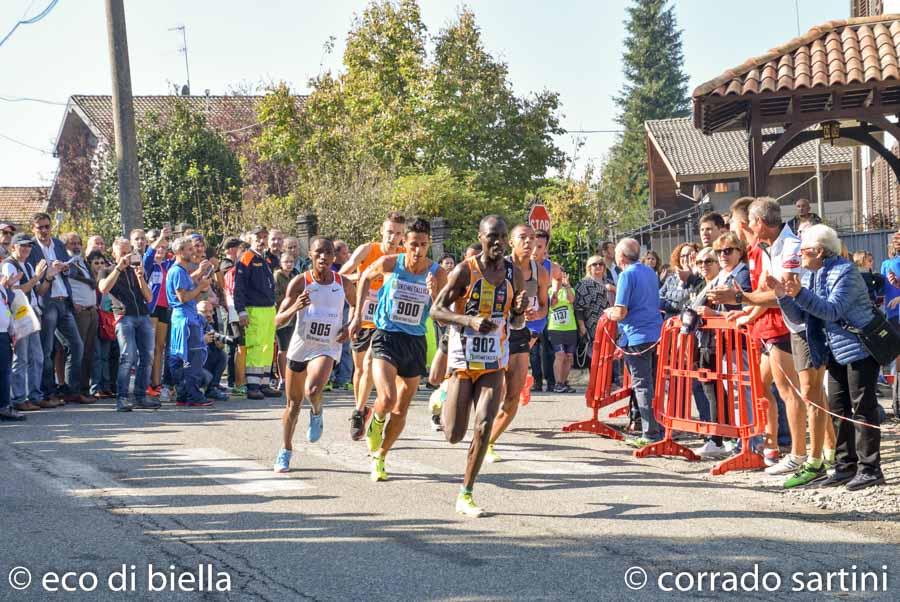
466	505
770	456
491	456
147	404
153	391
217	394
638	442
436	400
194	404
165	394
525	395
436	423
240	391
378	472
268	391
711	449
283	461
314	432
567	388
123	405
357	425
328	387
789	464
806	475
374	435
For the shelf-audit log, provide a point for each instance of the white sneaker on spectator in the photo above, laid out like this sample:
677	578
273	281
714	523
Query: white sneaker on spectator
710	448
789	464
164	394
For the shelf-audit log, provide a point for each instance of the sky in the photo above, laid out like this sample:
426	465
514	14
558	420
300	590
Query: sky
573	47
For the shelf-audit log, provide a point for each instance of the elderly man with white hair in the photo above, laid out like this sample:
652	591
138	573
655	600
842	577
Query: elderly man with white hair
637	311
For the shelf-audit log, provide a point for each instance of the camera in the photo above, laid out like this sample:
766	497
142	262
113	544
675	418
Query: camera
223	338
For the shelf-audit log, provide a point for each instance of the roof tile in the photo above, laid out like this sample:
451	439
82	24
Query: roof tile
18	203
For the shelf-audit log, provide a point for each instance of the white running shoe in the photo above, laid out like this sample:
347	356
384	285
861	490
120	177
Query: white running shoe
789	464
710	449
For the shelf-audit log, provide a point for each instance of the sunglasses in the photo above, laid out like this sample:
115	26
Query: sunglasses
594	265
705	262
725	251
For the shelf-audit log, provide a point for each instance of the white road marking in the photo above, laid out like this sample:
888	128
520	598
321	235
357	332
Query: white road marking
236	473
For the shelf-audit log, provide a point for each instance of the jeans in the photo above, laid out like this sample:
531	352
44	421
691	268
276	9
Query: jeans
27	369
6	357
643	376
343	370
57	315
101	373
852	392
541	357
188	376
136	340
88	322
216	360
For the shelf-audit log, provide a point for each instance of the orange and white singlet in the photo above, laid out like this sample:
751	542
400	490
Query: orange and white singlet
374	254
472	353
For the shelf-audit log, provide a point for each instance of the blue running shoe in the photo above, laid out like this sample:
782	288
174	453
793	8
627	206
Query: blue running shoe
283	461
314	432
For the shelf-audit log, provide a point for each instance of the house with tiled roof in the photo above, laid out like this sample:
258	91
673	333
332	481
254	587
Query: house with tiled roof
19	203
685	164
87	126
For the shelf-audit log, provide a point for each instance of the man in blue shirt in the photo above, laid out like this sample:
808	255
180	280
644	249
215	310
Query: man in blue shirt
636	311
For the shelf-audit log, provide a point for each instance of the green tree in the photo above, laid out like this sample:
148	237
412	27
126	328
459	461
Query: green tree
187	173
655	88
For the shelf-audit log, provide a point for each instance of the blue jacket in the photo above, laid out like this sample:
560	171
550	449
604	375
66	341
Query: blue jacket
254	285
151	268
59	248
833	297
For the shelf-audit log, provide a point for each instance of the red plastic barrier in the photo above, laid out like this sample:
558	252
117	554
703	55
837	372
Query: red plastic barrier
741	404
599	393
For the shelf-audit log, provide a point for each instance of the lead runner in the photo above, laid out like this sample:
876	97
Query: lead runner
398	344
481	296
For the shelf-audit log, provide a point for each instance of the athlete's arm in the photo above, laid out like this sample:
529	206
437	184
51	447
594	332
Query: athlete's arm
520	300
382	266
348	270
543	279
350	296
294	301
453	289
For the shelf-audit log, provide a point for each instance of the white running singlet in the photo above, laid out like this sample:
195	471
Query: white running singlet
319	323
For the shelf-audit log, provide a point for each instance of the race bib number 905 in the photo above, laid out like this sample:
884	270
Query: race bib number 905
320	332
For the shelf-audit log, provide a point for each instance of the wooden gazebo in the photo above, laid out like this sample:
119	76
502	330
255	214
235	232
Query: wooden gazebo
839	80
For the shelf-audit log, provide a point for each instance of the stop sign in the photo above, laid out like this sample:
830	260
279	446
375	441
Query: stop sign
539	218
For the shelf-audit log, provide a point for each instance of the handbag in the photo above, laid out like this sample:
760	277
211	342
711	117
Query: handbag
879	337
106	325
24	321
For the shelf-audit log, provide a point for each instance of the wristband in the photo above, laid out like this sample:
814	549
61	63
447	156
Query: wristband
739	297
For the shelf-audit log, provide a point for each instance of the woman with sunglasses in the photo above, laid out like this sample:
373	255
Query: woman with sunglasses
676	290
590	300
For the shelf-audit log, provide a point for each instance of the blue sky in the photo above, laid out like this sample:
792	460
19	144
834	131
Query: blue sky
573	47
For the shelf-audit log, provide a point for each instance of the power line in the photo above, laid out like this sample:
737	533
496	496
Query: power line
595	131
30	21
30	99
25	144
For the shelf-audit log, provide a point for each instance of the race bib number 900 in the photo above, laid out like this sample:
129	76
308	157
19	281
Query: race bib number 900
407	312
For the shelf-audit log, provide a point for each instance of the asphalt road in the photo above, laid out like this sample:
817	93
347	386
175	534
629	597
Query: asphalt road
86	490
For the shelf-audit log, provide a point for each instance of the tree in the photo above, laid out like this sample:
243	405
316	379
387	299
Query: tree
655	88
187	173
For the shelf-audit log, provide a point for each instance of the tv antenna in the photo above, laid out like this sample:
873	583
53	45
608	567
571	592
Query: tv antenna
184	50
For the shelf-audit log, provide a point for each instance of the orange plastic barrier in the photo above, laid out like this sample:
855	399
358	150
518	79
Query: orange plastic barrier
599	393
741	405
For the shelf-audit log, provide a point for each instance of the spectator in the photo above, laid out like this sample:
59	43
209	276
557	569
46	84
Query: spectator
57	317
237	352
874	282
651	260
216	360
138	238
275	249
95	243
28	355
187	349
705	396
830	300
637	295
6	233
105	347
130	293
447	262
607	252
562	331
541	356
283	276
676	290
712	225
591	299
804	216
473	250
156	262
254	301
890	270
7	412
84	301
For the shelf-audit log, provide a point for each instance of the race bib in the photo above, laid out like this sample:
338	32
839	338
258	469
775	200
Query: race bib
561	315
483	348
533	303
409	299
369	305
321	332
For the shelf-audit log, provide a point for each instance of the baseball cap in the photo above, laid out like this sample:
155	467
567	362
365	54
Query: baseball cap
22	238
231	242
258	230
7	227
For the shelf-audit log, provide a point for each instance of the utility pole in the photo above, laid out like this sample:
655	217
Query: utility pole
130	207
183	50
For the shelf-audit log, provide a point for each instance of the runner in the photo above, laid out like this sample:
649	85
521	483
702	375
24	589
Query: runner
317	298
398	344
536	283
485	292
541	348
364	256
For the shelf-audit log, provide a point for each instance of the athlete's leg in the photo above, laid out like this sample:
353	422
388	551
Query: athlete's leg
785	375
487	392
811	388
765	372
559	363
455	413
384	374
317	374
516	373
295	383
438	368
363	380
406	389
